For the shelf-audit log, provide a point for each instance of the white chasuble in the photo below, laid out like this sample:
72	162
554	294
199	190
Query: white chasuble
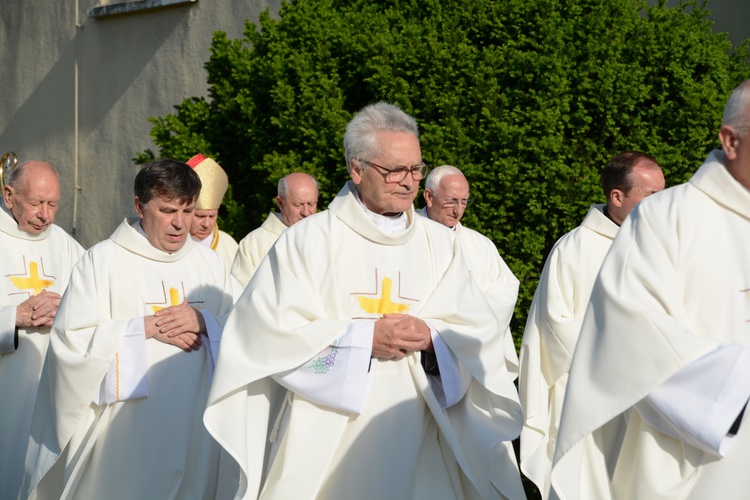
222	243
550	337
147	444
29	264
254	247
672	294
325	273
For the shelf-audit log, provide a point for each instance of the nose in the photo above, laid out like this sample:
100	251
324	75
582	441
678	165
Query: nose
43	213
306	211
178	220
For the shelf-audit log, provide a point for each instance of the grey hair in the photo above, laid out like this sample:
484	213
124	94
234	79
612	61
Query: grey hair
15	174
283	186
359	139
436	175
737	112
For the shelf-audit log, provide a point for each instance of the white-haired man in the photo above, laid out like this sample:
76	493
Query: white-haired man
446	195
36	258
337	323
297	198
666	337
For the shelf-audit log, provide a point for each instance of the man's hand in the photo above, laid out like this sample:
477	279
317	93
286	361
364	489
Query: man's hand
179	325
397	335
38	310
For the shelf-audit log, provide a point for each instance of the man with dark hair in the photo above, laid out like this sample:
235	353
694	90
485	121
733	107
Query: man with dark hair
131	356
560	302
333	328
36	258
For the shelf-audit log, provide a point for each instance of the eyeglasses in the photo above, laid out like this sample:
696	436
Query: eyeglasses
451	203
399	173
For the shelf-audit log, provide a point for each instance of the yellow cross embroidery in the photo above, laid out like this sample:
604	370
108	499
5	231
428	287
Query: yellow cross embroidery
174	300
383	304
33	282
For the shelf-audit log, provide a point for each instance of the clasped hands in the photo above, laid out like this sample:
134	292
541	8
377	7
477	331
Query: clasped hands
398	335
179	325
38	310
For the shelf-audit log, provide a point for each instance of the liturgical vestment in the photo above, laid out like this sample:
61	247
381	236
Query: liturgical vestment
551	334
223	244
336	271
255	246
671	299
29	263
119	415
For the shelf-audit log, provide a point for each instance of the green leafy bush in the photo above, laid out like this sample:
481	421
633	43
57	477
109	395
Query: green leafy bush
529	97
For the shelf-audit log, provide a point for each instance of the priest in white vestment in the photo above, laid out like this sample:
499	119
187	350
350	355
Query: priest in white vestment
560	302
297	198
204	229
132	350
446	196
362	359
36	258
667	336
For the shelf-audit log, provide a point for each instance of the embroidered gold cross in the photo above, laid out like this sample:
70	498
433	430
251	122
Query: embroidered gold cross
383	304
33	282
174	300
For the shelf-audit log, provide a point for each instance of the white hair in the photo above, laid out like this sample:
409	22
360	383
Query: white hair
436	175
737	110
359	139
283	186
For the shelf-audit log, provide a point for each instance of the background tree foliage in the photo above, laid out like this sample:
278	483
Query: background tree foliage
530	98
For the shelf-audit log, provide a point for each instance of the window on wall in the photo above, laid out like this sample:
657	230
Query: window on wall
105	8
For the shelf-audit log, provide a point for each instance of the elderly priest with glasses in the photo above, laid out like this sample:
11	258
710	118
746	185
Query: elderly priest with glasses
372	368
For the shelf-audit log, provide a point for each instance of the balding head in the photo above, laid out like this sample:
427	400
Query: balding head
297	197
627	179
735	134
447	195
32	194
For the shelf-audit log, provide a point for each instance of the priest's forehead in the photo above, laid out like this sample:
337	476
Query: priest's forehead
168	179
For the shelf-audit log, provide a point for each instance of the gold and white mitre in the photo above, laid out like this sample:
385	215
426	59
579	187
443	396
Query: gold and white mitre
213	179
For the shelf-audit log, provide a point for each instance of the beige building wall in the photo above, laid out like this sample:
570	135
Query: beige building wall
78	90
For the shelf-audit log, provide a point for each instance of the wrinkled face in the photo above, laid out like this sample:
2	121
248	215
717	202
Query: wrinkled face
203	223
396	149
166	222
448	203
34	200
647	181
300	201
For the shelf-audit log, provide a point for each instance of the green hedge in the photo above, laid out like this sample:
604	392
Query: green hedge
530	98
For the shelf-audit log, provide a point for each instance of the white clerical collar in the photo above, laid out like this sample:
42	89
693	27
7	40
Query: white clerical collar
389	224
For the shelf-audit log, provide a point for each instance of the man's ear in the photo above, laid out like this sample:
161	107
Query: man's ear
616	196
728	138
356	171
8	196
279	202
139	207
429	198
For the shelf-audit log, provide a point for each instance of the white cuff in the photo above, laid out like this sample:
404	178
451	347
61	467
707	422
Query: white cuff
126	377
454	380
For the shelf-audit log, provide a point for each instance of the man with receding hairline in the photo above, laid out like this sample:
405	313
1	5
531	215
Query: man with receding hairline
560	302
36	258
297	198
131	357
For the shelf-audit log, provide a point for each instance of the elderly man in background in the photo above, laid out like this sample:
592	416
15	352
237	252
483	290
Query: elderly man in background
118	414
446	195
297	198
342	312
560	302
204	229
36	258
666	337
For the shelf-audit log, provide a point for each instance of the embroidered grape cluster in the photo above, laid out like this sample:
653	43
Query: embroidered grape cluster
322	364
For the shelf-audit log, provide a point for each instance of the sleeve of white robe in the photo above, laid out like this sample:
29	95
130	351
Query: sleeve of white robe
7	329
699	403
